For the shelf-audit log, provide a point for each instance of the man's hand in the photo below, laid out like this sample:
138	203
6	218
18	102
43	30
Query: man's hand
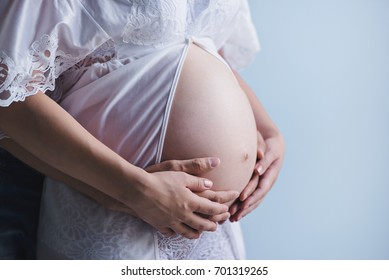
197	166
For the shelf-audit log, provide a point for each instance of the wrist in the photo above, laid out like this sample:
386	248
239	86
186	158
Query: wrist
133	186
269	132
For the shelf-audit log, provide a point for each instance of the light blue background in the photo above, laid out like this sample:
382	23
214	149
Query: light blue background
323	75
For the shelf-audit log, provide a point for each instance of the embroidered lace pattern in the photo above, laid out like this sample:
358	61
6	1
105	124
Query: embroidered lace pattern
153	22
102	54
210	18
149	22
210	246
106	52
74	225
157	23
45	63
79	228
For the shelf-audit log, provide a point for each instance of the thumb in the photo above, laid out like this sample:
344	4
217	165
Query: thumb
198	184
261	146
193	166
265	162
198	166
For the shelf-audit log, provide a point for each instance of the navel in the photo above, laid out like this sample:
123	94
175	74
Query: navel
245	156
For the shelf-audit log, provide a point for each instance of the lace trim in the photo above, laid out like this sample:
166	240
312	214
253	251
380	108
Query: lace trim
152	23
211	18
78	228
210	246
45	64
102	54
106	52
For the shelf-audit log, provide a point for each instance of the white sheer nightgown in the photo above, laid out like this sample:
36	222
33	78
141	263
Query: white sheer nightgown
114	65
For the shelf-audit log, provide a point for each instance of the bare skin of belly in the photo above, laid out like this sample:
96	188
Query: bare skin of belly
211	116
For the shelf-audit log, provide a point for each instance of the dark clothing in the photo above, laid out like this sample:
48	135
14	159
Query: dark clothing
20	194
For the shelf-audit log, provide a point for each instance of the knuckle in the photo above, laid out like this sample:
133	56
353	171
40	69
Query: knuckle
185	234
189	234
209	225
214	218
218	198
217	210
208	194
211	211
189	206
197	182
213	227
177	166
197	164
169	165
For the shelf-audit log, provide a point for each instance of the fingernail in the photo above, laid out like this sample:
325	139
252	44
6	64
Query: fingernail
207	183
214	162
260	170
242	196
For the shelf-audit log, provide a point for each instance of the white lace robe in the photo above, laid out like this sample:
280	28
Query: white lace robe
76	52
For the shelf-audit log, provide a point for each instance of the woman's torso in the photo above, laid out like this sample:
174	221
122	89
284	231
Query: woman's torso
154	97
147	37
211	116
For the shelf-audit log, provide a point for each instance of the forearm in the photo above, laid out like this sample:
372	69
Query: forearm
23	155
49	133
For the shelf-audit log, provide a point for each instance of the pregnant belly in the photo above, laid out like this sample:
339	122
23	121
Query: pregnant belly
211	116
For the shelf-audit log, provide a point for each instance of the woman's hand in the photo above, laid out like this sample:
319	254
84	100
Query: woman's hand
270	154
191	166
196	166
50	134
165	200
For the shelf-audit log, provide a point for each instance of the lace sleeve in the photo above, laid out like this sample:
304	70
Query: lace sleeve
45	63
242	44
39	40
